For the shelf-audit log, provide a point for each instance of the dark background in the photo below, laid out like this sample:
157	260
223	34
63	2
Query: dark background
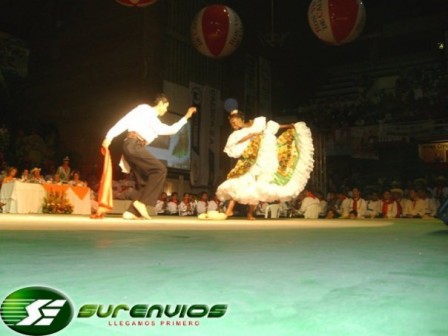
85	64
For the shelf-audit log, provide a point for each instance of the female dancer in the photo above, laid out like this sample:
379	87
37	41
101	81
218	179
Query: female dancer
269	168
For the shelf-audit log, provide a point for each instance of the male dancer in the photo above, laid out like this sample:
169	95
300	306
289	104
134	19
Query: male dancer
143	126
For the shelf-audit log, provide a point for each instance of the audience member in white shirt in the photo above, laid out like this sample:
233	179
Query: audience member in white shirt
374	206
202	203
162	204
310	206
214	204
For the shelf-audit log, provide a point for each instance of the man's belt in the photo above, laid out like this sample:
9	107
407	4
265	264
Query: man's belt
135	135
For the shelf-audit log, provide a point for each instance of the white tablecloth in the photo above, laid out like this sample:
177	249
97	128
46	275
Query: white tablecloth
26	198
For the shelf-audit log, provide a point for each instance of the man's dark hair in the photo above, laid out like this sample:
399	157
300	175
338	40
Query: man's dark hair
161	97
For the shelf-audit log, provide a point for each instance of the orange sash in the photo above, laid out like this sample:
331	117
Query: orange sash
105	196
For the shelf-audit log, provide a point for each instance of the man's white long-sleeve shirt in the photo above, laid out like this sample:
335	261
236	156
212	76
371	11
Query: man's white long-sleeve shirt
144	120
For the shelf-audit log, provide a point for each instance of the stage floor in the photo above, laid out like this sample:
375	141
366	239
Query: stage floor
278	277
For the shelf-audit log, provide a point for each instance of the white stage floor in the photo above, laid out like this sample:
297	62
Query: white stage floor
116	223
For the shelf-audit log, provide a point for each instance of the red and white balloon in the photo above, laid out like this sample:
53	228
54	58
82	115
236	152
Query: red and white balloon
216	31
337	21
136	3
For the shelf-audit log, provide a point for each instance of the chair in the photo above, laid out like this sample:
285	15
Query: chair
272	210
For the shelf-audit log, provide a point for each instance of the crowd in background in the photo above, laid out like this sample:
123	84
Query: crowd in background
62	175
30	152
418	94
416	200
419	198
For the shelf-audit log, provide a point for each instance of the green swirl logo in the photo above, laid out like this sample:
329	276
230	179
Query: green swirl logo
36	311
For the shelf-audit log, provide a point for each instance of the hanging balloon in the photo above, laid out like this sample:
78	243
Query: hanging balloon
136	3
216	31
336	21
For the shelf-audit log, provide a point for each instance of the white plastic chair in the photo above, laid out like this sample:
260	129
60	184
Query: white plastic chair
272	210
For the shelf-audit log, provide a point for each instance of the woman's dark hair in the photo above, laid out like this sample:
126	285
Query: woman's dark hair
236	114
10	169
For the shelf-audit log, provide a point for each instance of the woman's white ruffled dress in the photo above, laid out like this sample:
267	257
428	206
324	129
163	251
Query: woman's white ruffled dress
269	178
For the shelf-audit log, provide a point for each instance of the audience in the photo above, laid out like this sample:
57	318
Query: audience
374	206
76	180
186	206
25	175
416	207
36	177
11	175
418	95
310	205
173	204
64	170
389	207
162	204
215	204
323	204
202	203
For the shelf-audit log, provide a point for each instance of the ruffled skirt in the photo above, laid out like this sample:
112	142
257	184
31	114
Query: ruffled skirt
280	172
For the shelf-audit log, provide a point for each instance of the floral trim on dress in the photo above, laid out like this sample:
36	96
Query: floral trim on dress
248	158
288	156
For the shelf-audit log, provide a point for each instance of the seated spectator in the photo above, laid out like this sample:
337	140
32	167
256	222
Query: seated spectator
260	209
295	205
322	204
122	190
343	204
202	203
388	206
173	204
11	175
35	176
310	206
76	180
332	214
430	203
416	207
186	207
57	179
285	209
25	175
127	187
215	204
332	200
353	214
162	204
397	195
357	205
374	206
440	191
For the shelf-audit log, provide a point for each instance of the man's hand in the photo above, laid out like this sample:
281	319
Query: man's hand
190	112
105	145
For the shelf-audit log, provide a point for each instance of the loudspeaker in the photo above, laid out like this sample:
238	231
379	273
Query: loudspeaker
442	213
